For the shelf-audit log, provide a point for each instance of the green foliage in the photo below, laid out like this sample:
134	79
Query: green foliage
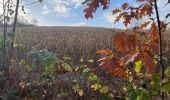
96	86
104	90
7	42
138	93
66	58
43	58
76	88
167	72
92	77
156	77
67	67
166	87
138	66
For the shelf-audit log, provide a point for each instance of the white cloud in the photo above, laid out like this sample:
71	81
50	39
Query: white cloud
111	18
78	24
77	3
46	10
62	9
62	6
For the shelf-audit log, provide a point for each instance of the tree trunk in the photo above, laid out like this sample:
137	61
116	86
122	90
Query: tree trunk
14	30
4	36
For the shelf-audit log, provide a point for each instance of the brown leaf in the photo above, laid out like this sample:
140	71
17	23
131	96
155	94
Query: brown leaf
153	32
89	11
125	42
131	57
116	10
22	85
124	6
144	25
127	19
149	63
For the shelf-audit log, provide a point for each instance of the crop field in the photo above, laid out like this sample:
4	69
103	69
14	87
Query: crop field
75	42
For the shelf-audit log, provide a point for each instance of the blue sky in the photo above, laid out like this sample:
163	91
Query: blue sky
70	13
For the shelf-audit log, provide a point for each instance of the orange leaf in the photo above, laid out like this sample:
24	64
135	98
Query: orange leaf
127	19
149	64
103	51
131	57
125	42
116	10
124	6
153	32
144	25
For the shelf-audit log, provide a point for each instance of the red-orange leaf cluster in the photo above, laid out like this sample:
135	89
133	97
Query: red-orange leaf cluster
93	5
125	42
132	45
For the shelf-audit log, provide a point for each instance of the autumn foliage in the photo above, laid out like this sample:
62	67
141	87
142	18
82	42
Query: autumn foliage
134	44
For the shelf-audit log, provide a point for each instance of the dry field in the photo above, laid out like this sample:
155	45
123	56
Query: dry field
75	42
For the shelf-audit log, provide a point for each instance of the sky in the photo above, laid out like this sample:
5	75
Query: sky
70	13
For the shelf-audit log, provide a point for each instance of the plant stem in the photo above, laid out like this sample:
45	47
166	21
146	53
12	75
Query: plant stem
160	44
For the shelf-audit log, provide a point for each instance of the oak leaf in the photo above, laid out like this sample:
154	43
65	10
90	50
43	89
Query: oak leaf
153	32
116	10
124	6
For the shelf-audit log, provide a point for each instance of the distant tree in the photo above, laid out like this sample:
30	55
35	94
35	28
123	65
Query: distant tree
10	8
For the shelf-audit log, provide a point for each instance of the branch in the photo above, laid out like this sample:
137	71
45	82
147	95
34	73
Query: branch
160	45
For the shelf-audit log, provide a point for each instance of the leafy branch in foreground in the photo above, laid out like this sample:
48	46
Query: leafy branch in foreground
135	46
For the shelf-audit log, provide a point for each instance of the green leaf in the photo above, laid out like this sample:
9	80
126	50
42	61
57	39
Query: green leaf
104	89
23	8
145	96
155	91
142	93
96	86
167	72
86	72
138	66
93	77
80	92
66	58
22	62
67	67
133	96
166	87
11	12
76	87
156	76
